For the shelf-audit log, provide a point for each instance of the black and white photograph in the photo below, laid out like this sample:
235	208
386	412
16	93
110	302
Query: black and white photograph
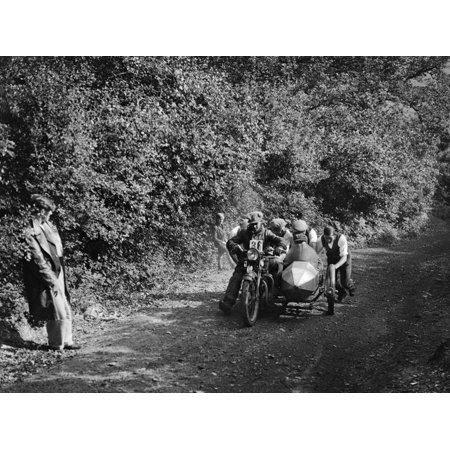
225	225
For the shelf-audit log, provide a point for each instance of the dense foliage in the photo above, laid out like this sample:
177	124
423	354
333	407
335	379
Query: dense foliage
139	153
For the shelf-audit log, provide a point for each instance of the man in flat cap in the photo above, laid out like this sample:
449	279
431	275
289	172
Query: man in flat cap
278	227
239	244
310	233
300	250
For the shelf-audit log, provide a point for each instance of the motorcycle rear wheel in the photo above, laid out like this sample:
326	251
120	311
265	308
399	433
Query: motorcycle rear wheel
249	303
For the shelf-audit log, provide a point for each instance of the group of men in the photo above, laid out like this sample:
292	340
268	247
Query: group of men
289	245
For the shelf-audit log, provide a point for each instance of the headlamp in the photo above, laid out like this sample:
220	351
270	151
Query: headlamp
252	254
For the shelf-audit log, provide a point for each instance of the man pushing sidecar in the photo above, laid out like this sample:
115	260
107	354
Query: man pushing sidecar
339	258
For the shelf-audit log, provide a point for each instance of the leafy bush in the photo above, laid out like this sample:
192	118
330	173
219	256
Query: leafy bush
139	153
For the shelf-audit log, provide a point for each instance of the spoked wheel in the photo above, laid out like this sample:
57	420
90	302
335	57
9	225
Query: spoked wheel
249	303
265	303
264	293
331	288
330	300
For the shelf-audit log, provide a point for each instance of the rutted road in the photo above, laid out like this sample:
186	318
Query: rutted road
378	341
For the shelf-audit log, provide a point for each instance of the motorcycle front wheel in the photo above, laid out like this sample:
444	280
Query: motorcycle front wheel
264	293
249	303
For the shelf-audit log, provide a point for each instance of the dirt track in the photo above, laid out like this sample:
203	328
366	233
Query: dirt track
378	341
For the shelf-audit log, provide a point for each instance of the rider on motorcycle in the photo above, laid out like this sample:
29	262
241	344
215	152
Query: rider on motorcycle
239	245
300	250
311	233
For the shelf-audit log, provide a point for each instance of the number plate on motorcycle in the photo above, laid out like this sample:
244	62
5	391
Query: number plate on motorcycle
249	269
256	243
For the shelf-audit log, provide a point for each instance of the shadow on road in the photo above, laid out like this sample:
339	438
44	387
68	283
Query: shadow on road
379	341
183	345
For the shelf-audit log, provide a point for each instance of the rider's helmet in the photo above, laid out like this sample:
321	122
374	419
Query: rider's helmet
299	228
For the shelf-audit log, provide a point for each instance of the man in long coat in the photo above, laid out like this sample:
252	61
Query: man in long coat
44	276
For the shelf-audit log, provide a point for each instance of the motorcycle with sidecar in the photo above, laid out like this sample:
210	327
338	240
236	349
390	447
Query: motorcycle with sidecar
301	282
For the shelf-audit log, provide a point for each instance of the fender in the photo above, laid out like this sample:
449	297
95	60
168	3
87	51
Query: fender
270	281
250	276
268	278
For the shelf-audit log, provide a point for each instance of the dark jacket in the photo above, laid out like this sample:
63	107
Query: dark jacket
243	239
41	269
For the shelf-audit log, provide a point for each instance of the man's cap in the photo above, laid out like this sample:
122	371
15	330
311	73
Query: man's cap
299	225
255	217
328	230
220	216
277	223
42	202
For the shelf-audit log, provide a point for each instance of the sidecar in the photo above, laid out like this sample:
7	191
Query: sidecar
302	282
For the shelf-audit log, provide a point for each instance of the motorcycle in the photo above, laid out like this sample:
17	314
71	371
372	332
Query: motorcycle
258	290
257	285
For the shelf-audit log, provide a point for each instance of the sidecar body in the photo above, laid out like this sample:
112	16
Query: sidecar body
300	281
304	281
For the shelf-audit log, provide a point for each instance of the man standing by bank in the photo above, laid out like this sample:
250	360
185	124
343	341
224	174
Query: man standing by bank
220	240
44	276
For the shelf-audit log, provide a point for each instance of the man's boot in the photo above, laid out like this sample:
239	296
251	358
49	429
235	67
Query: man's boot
226	305
341	296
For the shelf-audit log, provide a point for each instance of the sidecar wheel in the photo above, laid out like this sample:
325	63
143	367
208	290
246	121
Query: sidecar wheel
330	301
249	303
